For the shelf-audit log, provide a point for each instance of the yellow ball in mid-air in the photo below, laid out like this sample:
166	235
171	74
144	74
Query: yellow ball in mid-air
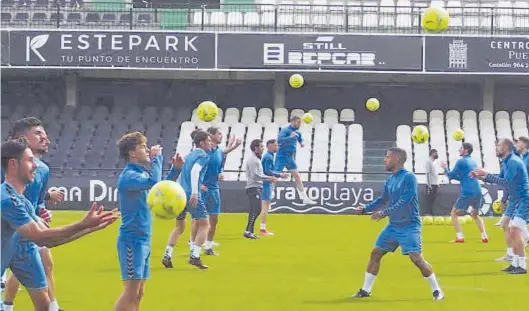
435	20
372	104
439	220
427	220
307	117
458	134
420	134
166	199
207	111
497	207
296	81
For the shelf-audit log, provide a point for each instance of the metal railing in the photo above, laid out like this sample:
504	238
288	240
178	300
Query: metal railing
261	17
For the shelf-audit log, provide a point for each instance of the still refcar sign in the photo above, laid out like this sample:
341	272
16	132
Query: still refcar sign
326	52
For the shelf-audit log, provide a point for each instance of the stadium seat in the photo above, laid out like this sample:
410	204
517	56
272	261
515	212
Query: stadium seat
355	153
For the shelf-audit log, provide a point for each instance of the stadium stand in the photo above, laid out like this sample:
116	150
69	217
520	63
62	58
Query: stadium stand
345	143
400	16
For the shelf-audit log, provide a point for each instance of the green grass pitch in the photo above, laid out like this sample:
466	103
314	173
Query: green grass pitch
314	262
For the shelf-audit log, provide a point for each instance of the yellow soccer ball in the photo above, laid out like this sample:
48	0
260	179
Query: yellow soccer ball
296	81
439	220
435	20
497	207
420	134
167	199
461	220
448	220
458	134
207	111
468	219
427	220
372	104
307	118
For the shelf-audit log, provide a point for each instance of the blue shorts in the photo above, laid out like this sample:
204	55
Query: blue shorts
212	201
464	202
199	211
283	161
408	238
266	193
521	209
26	265
134	260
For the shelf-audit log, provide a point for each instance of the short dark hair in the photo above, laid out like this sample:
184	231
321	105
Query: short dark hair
195	132
468	147
432	152
524	140
270	141
128	142
294	118
20	127
213	130
199	136
400	153
13	149
255	143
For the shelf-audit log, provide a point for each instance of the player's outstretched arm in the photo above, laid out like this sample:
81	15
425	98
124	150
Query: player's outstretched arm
233	143
176	168
96	219
502	179
382	198
455	173
139	181
409	192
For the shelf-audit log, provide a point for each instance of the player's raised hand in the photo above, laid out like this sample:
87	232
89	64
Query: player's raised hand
478	173
45	214
443	165
221	177
178	160
97	215
56	196
193	200
155	150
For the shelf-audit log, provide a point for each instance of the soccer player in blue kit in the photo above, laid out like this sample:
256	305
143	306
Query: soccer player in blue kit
210	187
22	231
522	150
514	175
470	192
266	194
135	232
404	228
288	138
36	192
191	178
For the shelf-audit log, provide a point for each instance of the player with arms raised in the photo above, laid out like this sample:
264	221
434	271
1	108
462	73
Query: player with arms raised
513	174
470	192
23	231
404	228
135	232
287	140
37	193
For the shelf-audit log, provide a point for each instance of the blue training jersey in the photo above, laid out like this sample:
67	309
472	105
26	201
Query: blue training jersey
288	144
36	191
469	186
215	168
134	183
400	189
16	211
267	161
197	156
513	174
